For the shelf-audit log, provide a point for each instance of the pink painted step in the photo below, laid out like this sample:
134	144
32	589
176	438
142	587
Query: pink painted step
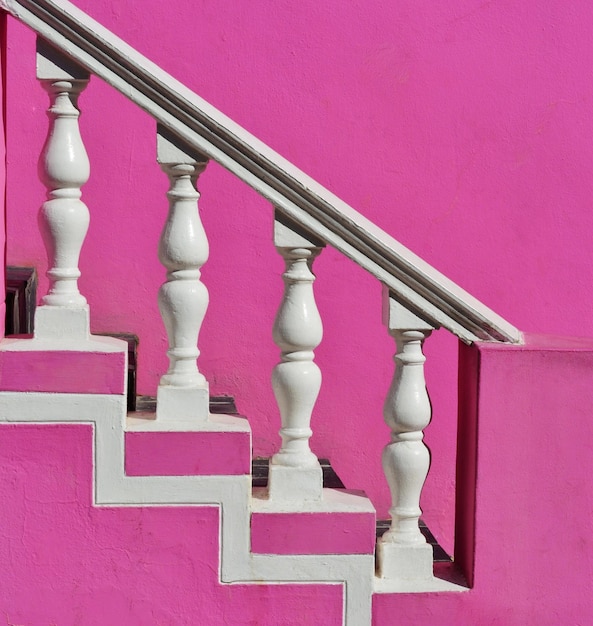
97	366
343	523
220	447
66	561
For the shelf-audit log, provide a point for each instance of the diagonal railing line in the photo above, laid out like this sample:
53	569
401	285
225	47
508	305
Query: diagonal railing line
414	282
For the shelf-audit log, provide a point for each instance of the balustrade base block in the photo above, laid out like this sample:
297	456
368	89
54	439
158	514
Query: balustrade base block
286	484
404	562
183	403
55	322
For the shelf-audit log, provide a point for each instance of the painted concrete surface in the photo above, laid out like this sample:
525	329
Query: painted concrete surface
462	128
61	371
342	522
530	553
66	562
183	453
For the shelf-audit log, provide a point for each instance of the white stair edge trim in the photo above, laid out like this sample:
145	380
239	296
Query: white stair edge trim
416	284
107	415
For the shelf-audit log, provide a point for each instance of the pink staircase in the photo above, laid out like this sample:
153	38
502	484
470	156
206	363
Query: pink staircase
66	561
64	530
150	517
74	551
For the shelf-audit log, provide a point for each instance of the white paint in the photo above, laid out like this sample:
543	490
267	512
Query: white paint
63	169
429	300
183	299
295	473
107	414
446	578
402	551
333	501
411	562
355	571
94	343
147	422
418	285
63	324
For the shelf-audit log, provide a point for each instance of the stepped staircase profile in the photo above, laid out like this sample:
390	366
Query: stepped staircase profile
167	489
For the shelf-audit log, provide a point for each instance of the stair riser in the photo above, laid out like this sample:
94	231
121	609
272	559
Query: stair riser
187	453
63	371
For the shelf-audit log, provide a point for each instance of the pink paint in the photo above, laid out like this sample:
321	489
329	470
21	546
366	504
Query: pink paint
63	371
187	453
529	553
463	128
2	169
66	562
313	533
467	451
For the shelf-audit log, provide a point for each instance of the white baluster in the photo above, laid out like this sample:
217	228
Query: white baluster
64	218
183	299
295	473
402	551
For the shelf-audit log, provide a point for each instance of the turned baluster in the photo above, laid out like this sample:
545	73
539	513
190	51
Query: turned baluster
183	299
295	473
64	218
402	551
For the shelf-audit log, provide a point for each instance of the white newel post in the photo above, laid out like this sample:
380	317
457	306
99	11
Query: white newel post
64	218
402	551
295	473
183	299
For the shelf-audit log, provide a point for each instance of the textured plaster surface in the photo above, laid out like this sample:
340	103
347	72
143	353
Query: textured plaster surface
531	554
462	128
342	522
62	372
187	453
67	562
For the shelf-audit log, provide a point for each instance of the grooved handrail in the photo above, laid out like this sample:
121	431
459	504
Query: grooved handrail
416	284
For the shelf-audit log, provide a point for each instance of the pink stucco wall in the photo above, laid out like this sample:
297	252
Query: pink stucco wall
527	504
462	128
66	562
528	495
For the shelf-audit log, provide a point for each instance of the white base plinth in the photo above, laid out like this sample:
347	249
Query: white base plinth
183	403
295	483
55	322
404	562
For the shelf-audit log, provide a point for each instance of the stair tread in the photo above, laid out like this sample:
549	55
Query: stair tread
334	501
260	468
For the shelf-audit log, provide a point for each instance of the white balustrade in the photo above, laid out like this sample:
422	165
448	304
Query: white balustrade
402	551
64	218
183	299
295	473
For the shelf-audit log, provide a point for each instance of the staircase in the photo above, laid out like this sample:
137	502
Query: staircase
161	499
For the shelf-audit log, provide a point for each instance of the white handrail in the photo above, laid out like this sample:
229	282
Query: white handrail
417	285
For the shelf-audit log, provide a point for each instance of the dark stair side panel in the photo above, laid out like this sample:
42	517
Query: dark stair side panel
21	294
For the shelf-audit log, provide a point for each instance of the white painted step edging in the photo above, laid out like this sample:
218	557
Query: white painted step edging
107	414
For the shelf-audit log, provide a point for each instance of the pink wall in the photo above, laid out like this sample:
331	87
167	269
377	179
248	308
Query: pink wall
530	551
462	128
67	562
